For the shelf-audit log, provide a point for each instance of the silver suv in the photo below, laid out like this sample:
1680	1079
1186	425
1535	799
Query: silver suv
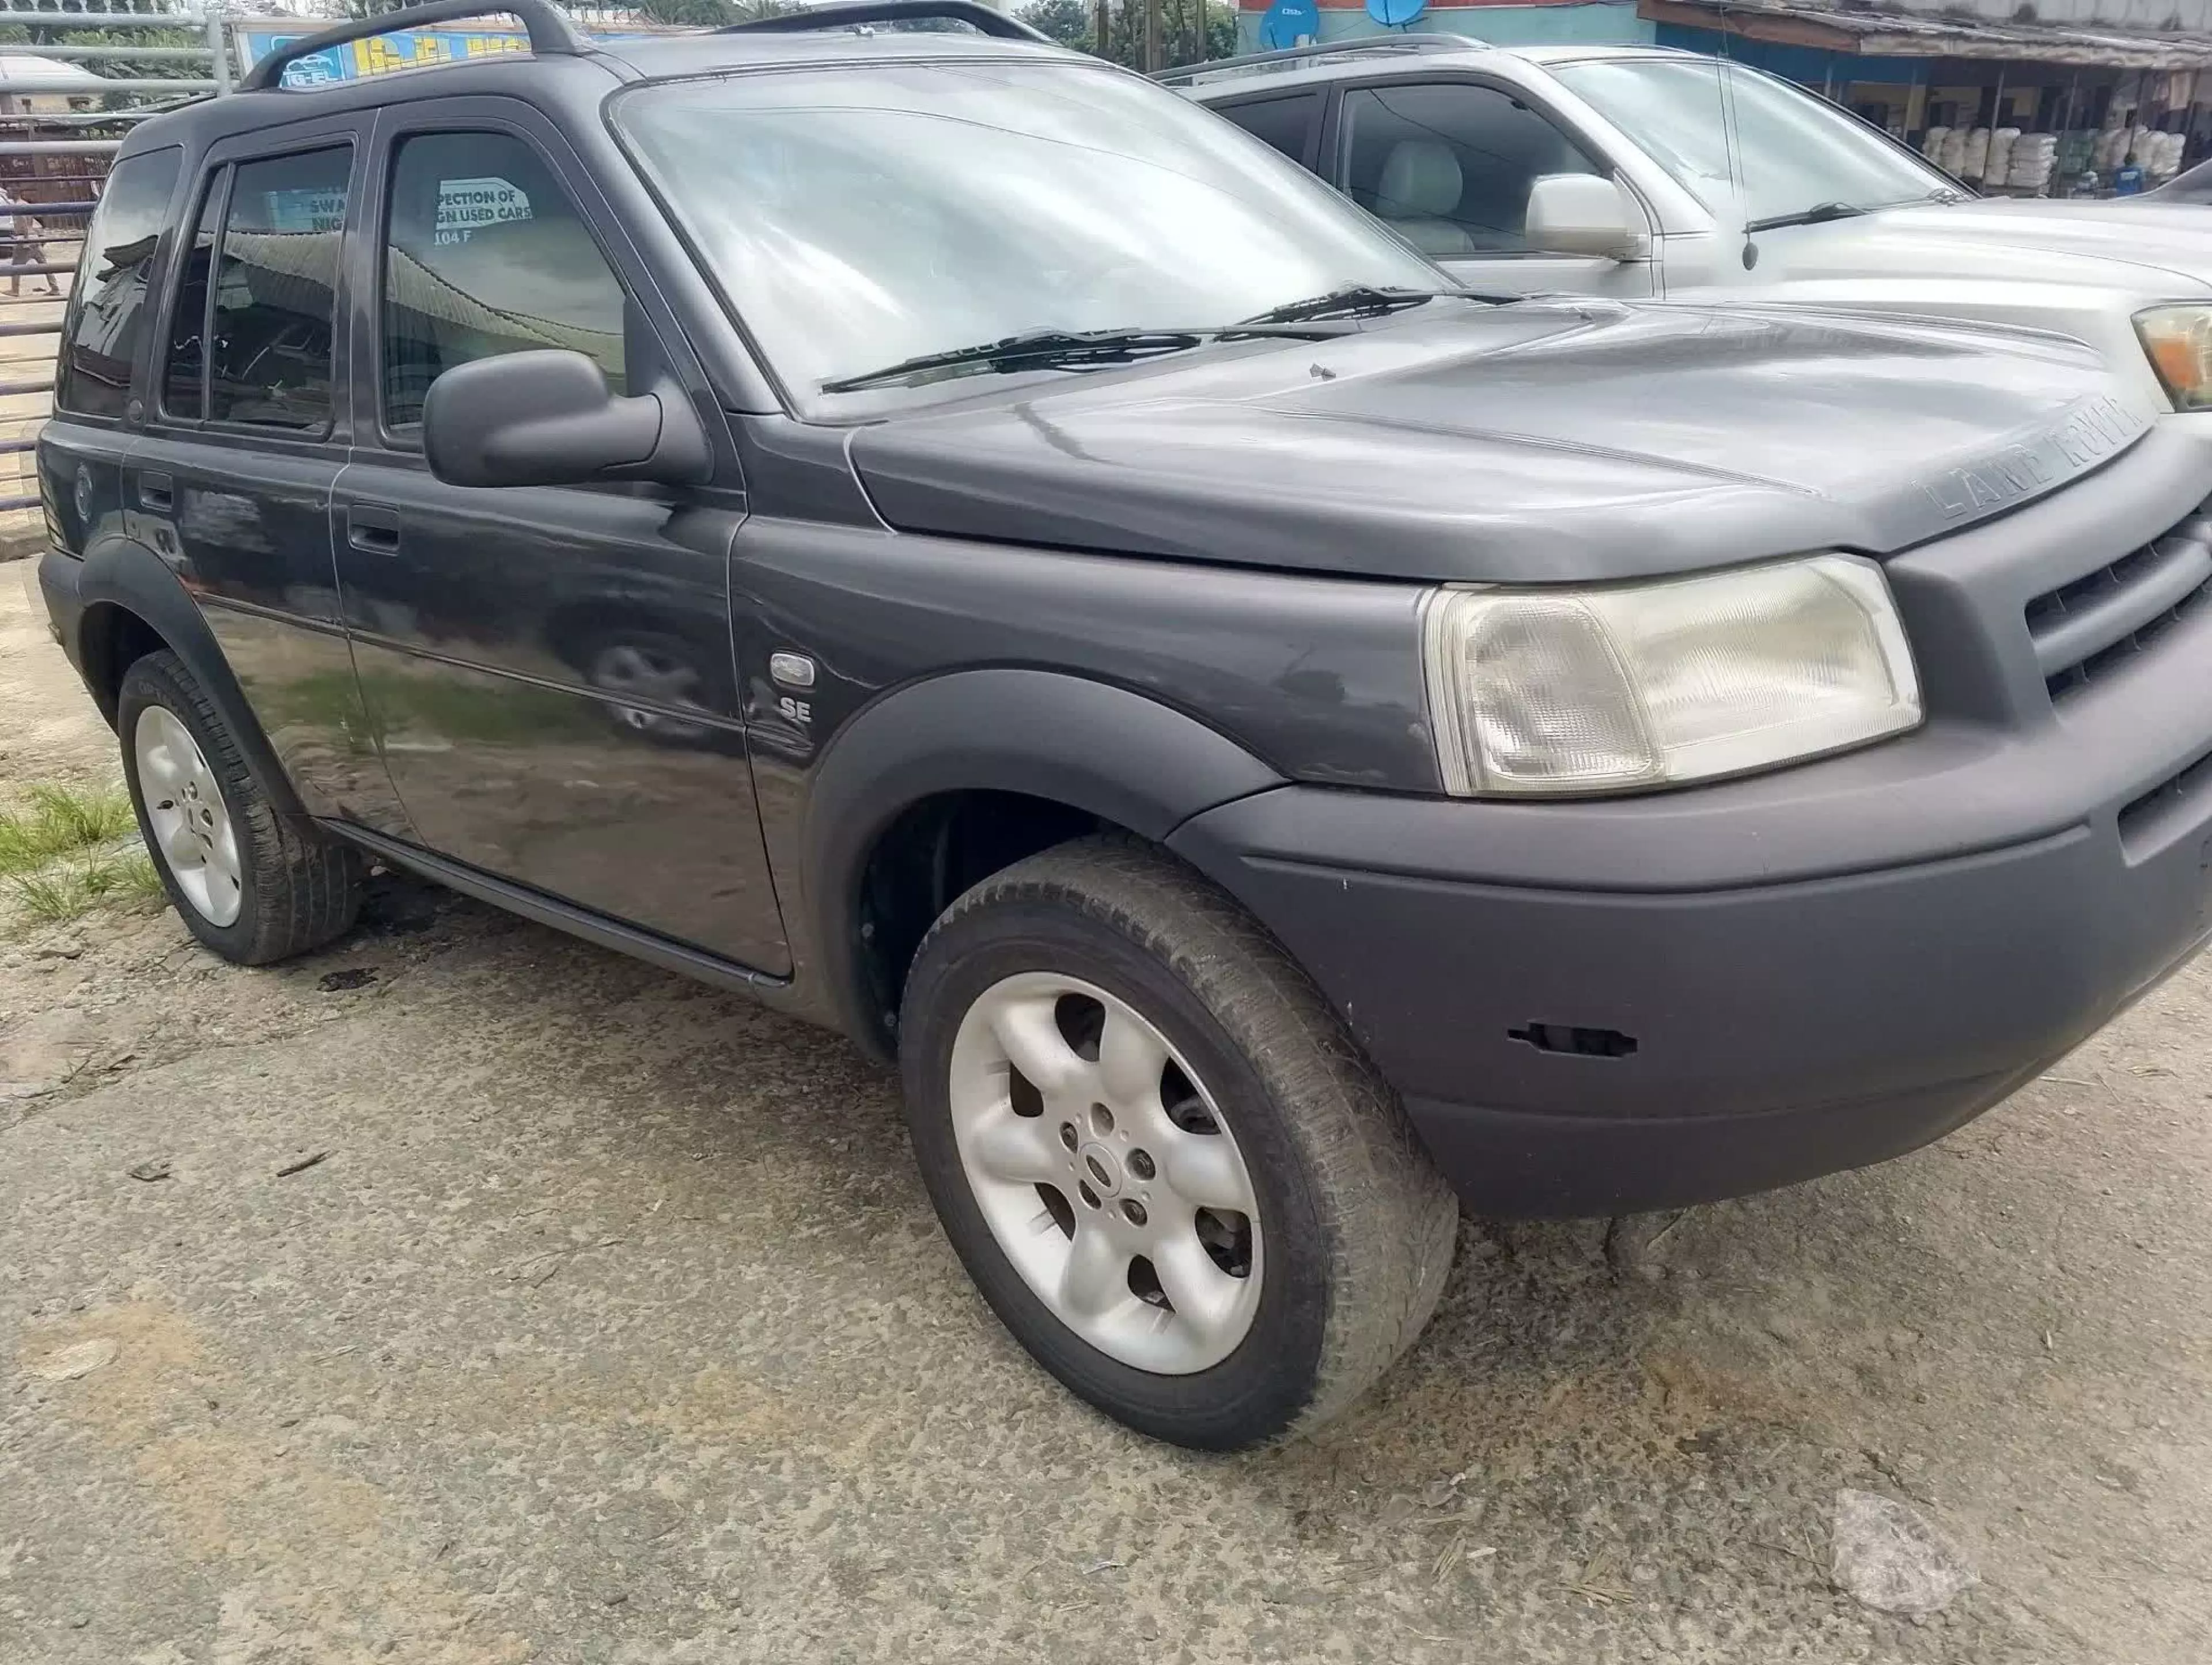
1624	171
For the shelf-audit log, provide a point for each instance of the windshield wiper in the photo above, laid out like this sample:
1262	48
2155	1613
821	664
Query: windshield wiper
1820	214
1363	300
1034	349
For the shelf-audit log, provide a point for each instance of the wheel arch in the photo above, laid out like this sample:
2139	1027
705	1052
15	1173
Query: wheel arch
938	785
133	604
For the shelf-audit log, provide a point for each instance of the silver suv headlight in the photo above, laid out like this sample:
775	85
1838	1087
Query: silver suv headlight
1557	690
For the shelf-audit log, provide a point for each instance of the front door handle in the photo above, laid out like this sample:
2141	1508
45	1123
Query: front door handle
373	531
156	491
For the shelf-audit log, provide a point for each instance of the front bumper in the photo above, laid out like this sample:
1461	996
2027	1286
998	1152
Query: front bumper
1814	968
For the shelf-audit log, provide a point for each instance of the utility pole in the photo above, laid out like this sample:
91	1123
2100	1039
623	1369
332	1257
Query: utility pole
1101	27
1153	57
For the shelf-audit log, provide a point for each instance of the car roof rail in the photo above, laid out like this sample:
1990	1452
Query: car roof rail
1292	56
550	34
856	14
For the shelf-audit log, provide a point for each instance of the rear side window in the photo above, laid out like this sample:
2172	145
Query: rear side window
271	294
486	254
107	310
1450	164
1288	124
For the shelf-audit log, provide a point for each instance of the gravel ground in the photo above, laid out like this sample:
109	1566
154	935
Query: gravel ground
614	1326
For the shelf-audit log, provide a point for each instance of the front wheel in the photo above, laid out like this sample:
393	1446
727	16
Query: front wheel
1158	1154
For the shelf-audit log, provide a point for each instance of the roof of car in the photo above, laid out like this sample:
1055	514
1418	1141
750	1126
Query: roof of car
610	61
1355	56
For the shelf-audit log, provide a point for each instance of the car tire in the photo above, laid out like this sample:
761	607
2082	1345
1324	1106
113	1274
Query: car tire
246	882
1192	1067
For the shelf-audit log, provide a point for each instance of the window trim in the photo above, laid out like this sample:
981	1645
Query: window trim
348	132
216	182
406	438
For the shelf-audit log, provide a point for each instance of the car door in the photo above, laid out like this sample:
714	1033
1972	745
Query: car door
1448	164
550	670
244	437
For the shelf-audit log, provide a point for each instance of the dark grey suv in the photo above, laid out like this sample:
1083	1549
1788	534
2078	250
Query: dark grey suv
954	541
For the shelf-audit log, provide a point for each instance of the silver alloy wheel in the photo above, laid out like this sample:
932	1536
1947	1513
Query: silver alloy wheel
1106	1173
185	810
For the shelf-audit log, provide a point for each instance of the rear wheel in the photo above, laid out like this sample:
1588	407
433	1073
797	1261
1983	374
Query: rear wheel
1158	1155
245	881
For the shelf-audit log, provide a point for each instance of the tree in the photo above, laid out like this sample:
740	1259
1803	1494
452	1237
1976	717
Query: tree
1191	31
1068	22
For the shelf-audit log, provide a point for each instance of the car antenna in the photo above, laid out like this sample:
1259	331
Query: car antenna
1724	75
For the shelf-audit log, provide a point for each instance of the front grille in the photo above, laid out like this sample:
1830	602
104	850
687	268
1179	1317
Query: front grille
2090	627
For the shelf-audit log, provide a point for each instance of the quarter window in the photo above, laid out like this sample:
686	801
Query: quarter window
101	340
1450	164
1287	124
486	254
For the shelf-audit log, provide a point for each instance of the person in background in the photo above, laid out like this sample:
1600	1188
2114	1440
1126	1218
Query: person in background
19	235
2128	181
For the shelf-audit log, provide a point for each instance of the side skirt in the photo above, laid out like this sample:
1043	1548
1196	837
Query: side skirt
608	932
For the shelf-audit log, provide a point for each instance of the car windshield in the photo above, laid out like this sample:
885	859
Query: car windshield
1793	152
856	218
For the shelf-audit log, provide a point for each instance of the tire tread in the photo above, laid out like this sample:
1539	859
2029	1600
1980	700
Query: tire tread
1390	1218
306	889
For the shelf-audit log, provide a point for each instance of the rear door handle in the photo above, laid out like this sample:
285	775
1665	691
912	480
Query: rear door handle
156	491
374	531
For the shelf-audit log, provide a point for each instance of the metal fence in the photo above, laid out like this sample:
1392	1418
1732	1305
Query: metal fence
58	132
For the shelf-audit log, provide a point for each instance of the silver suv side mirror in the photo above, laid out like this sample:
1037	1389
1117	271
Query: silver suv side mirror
1583	213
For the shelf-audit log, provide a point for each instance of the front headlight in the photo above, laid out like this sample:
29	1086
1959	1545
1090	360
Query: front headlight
2180	342
1634	686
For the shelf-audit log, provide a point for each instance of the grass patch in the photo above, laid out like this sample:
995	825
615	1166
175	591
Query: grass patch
65	853
57	821
70	891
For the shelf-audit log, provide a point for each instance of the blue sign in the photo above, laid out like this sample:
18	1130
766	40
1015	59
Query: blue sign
403	49
1396	14
1289	23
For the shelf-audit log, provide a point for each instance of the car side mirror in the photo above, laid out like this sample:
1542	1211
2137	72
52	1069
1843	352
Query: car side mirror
546	418
1581	213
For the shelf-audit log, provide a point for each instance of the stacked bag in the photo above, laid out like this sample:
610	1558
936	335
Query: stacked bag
1977	157
2034	159
1999	166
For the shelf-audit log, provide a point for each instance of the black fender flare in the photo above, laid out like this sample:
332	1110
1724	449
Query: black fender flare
123	573
1127	759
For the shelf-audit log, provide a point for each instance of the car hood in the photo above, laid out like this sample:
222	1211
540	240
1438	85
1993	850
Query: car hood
1530	442
2152	251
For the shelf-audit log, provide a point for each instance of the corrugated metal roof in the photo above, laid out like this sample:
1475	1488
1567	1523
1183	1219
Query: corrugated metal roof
1899	34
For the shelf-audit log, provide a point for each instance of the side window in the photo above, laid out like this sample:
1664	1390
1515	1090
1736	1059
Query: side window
185	379
101	340
1449	165
1287	124
485	254
274	291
